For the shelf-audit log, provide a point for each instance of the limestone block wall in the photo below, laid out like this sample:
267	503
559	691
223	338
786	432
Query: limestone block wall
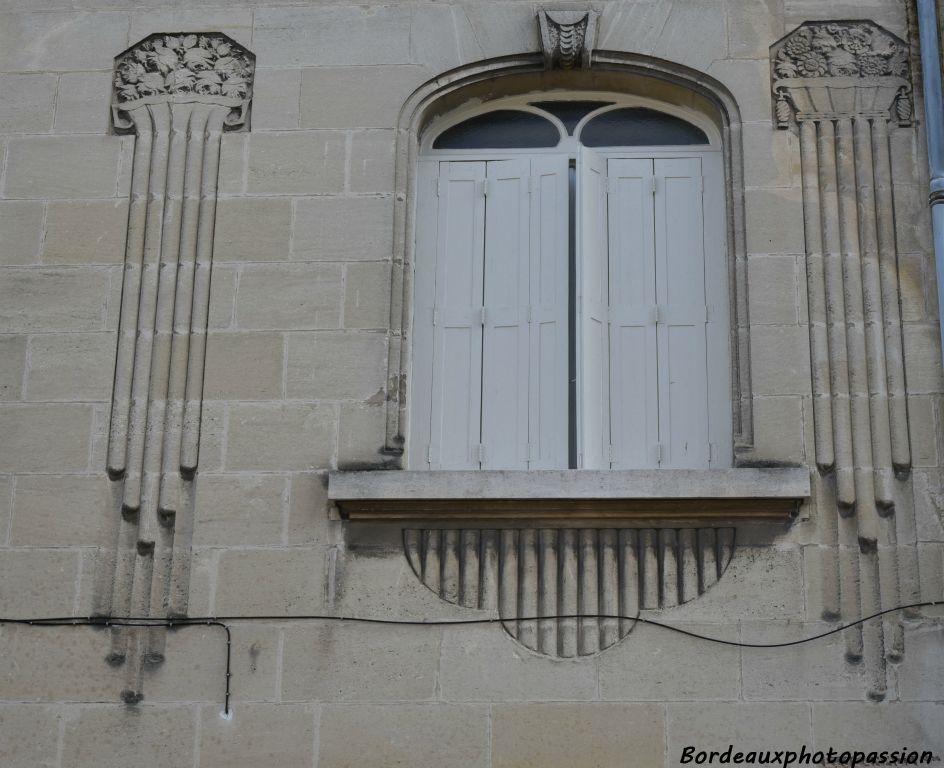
296	384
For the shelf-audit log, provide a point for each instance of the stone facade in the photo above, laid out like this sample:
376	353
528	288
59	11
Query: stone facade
205	283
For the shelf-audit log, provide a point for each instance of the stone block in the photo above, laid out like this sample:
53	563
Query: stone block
332	35
771	156
929	504
811	671
749	83
46	300
443	37
86	232
749	727
336	366
925	431
308	508
234	153
12	366
367	296
482	663
922	348
912	224
240	510
297	297
212	434
590	735
62	511
780	360
446	735
752	26
39	664
270	582
921	674
296	163
325	91
915	278
779	429
233	21
223	297
372	162
29	736
110	736
31	42
45	438
280	735
634	27
82	102
775	221
38	582
676	42
21	231
335	662
282	437
70	366
889	15
195	664
243	366
252	229
498	29
6	507
28	103
275	99
343	229
674	668
759	583
361	433
773	289
62	166
866	726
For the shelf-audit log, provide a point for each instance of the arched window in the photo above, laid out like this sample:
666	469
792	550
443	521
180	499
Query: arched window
571	289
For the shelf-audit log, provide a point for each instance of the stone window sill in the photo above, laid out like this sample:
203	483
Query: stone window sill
578	497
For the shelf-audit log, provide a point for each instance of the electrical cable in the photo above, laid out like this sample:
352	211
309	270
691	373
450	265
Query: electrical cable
221	621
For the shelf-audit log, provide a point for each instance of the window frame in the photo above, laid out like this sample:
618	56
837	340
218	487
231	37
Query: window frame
711	155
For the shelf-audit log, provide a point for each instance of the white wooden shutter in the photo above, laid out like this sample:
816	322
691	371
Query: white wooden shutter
456	317
593	433
680	291
634	311
505	348
548	313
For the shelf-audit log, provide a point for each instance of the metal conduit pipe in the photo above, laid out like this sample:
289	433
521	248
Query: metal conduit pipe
934	111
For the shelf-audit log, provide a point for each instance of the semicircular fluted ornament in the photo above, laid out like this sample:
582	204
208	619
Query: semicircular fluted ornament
526	574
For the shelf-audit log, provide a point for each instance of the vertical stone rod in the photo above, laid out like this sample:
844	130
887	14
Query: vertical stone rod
707	559
609	587
835	317
855	335
488	593
650	574
130	292
883	477
183	311
850	599
567	591
891	309
547	628
449	565
890	590
873	646
688	565
629	580
469	574
508	582
193	406
588	596
147	310
669	568
528	587
816	299
431	547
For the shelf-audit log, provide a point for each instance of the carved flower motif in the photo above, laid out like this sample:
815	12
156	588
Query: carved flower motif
872	65
842	63
812	64
799	44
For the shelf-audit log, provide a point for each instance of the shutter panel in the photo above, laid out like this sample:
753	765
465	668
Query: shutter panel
457	329
680	283
593	433
549	331
424	293
505	341
634	416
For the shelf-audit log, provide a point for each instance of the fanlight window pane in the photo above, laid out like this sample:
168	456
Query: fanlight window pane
639	127
501	129
570	112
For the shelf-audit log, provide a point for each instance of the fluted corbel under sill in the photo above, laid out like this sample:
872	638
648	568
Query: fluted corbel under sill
566	498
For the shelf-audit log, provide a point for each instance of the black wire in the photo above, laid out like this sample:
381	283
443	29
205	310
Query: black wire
220	621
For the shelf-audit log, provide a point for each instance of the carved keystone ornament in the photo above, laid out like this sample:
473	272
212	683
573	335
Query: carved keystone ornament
567	38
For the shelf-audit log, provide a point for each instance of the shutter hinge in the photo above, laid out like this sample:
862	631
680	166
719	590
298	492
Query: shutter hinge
485	187
478	453
657	453
711	452
533	182
435	316
656	315
701	184
482	316
653	185
607	189
611	453
530	313
438	187
429	454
